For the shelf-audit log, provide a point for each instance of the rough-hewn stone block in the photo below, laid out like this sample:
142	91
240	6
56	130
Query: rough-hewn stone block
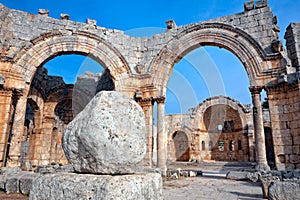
25	182
93	187
284	190
249	5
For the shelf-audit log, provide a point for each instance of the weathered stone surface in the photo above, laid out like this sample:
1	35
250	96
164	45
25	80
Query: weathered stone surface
261	3
266	181
107	137
2	182
193	174
249	5
2	79
254	177
235	175
28	41
25	182
284	191
12	184
87	186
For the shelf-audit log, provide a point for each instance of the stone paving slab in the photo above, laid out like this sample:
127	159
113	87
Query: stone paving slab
211	188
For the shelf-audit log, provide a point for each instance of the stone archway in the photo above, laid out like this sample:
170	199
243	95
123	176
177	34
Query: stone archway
52	44
235	40
57	43
181	147
223	124
261	68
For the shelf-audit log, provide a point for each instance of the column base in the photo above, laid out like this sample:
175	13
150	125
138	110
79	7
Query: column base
89	186
13	161
262	167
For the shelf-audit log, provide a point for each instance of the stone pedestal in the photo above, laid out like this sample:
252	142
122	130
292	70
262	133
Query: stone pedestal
88	186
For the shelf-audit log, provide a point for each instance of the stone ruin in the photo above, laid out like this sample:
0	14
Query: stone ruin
140	68
104	143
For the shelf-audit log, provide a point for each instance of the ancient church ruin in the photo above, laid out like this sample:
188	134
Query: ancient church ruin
36	107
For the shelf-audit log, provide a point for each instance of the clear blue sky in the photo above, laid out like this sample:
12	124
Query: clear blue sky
194	77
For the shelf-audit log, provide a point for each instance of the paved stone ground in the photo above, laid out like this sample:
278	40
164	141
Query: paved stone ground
211	188
213	184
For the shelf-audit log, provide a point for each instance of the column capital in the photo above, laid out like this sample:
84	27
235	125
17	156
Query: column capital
255	89
146	101
161	99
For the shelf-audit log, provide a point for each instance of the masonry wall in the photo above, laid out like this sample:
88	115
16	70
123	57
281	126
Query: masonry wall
292	36
284	102
219	123
256	20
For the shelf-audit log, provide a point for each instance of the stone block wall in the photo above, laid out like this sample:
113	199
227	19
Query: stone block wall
285	122
292	36
204	137
258	21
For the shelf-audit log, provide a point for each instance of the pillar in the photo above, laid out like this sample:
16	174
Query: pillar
17	133
260	147
161	137
147	105
6	110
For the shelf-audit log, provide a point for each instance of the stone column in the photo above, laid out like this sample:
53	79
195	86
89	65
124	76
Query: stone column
161	137
260	147
6	109
17	133
147	105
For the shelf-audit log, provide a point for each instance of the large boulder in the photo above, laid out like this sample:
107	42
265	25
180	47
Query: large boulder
107	137
93	187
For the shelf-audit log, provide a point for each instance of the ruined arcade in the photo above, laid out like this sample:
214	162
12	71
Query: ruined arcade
35	108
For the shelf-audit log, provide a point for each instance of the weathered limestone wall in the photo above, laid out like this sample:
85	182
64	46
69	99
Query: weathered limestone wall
284	102
256	20
6	111
220	121
140	67
182	142
292	36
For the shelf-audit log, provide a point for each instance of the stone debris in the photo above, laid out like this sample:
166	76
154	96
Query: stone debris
235	175
174	176
193	174
266	181
284	191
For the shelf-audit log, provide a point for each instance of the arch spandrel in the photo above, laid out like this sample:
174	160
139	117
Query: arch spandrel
237	41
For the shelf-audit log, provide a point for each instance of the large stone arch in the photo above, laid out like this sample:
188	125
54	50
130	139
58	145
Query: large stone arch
241	119
234	104
173	149
44	48
55	43
235	40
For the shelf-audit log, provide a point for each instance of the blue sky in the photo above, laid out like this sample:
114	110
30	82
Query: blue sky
194	71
